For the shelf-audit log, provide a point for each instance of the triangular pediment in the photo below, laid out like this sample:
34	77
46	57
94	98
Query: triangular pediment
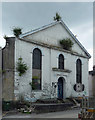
52	34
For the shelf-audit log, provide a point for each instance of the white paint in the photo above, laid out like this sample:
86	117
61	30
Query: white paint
50	36
53	35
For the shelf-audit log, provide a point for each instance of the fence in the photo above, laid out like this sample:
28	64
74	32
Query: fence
88	107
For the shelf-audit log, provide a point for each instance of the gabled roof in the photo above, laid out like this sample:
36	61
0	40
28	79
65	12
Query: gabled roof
52	24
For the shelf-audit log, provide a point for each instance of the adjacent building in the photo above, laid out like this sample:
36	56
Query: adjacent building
92	82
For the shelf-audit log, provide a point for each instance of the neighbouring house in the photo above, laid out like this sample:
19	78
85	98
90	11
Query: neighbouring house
53	71
92	82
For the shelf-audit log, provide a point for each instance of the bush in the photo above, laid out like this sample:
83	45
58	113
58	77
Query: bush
66	43
5	106
9	105
57	17
21	67
5	37
17	31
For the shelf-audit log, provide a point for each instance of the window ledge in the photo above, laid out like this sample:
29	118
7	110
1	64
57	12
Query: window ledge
61	70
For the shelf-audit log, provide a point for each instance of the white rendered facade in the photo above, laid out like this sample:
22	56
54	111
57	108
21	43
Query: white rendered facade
47	40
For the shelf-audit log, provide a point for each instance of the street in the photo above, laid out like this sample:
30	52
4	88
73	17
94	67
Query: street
62	114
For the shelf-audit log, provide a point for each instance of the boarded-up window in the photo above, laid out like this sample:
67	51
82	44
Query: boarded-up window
36	69
78	71
61	61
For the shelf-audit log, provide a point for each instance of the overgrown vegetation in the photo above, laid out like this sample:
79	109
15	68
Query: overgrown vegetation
57	17
21	67
34	82
5	37
17	31
66	43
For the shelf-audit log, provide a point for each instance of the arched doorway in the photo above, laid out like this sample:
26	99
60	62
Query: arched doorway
60	88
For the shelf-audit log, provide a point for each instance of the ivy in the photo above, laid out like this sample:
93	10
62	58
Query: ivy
21	67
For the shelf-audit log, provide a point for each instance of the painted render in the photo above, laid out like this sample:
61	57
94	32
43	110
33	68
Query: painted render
47	40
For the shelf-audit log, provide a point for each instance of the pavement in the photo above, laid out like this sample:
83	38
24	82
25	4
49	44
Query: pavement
62	114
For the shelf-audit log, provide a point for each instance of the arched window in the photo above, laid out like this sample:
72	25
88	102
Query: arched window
78	71
36	69
37	58
61	62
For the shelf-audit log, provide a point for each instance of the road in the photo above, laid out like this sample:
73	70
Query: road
62	114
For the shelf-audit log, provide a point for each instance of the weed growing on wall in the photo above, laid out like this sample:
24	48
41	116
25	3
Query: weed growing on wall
57	17
17	31
5	37
21	67
66	43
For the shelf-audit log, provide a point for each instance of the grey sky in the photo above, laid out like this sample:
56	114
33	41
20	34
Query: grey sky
78	16
31	15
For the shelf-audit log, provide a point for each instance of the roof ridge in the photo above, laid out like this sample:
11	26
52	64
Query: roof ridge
37	29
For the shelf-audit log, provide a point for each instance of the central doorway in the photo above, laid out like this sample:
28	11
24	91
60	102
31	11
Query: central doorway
60	88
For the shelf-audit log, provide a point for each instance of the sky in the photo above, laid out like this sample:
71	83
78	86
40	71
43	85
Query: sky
78	16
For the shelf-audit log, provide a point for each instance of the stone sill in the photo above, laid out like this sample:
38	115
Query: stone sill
61	70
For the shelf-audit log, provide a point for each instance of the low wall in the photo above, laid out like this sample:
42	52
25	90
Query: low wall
44	108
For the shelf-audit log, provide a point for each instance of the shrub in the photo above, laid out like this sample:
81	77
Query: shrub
21	67
66	43
5	37
34	83
57	17
17	31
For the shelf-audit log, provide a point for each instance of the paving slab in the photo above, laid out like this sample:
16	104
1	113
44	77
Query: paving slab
62	114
